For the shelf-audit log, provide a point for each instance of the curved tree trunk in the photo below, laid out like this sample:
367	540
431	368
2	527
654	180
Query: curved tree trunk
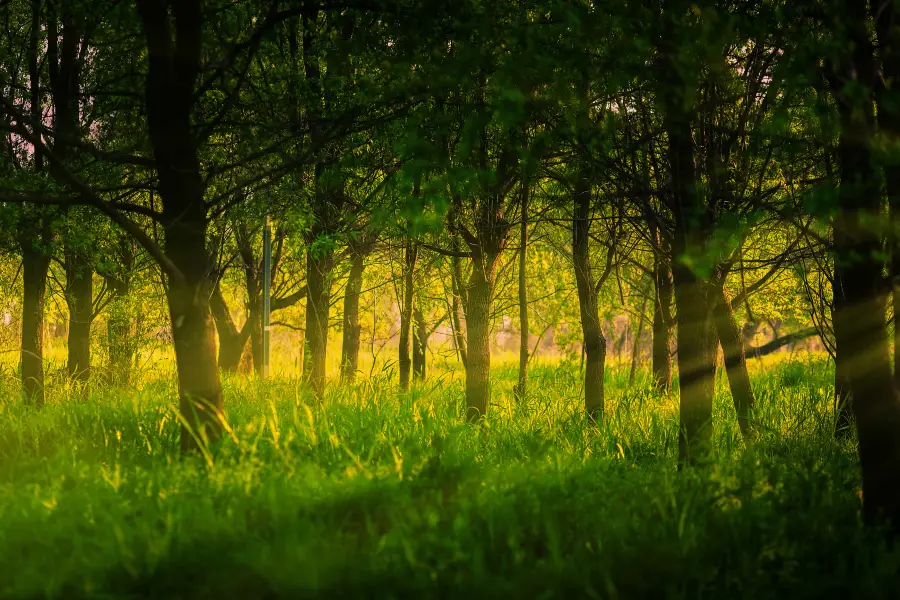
79	299
318	304
35	264
732	343
594	341
350	346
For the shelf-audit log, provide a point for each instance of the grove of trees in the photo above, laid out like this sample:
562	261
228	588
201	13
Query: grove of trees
685	163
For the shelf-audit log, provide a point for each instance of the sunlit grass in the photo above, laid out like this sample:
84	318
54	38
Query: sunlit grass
368	493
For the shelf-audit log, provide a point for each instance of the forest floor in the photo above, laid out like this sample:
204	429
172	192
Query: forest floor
373	494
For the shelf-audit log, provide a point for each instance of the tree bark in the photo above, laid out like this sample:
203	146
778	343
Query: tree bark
350	346
732	343
318	305
406	313
80	301
478	331
35	264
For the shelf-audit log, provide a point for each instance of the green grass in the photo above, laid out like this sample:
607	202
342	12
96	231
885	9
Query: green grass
370	494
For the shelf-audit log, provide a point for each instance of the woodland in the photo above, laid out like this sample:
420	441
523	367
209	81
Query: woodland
485	298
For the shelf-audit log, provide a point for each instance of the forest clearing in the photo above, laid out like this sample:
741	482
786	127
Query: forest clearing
478	298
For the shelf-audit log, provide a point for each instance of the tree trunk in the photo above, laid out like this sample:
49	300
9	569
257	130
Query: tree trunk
732	343
35	264
662	323
696	330
406	313
231	340
118	333
80	301
318	303
420	344
458	302
478	332
859	326
636	346
173	65
521	388
594	341
350	346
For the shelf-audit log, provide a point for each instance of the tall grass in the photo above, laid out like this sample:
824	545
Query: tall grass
369	493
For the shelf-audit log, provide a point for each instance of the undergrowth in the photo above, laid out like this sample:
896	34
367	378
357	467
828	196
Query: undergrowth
370	493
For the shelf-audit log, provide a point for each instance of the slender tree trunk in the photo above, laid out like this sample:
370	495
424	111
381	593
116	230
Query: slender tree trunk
478	332
406	313
521	389
35	264
420	344
350	346
80	299
594	341
318	301
118	333
732	343
458	302
662	325
636	346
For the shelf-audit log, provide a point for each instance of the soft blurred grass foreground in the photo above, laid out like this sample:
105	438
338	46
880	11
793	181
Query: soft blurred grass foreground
373	494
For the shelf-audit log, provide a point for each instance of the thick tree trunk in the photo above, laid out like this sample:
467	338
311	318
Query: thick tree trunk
80	301
350	346
859	326
35	264
521	388
478	332
406	313
420	344
594	341
173	65
696	330
662	324
193	333
732	343
318	303
696	363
